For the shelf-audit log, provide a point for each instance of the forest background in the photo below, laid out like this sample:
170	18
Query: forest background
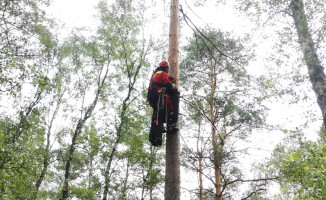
74	116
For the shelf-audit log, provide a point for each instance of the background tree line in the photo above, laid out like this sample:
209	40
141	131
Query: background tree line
75	122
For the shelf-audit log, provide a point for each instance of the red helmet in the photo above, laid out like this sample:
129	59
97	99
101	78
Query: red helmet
164	64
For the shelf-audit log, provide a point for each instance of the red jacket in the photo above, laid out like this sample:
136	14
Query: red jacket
161	79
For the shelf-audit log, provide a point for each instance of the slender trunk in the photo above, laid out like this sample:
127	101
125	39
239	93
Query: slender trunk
108	168
77	131
216	158
200	167
172	169
147	180
217	170
46	158
150	192
90	174
315	68
150	172
124	190
117	141
126	102
79	127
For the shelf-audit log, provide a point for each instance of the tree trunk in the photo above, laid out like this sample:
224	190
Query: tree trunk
172	169
78	130
200	167
124	190
79	127
217	170
316	70
117	141
108	168
90	174
46	158
218	194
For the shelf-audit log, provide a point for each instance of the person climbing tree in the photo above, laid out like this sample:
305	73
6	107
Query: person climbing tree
163	97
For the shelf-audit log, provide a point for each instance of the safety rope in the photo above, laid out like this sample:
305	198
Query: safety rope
160	103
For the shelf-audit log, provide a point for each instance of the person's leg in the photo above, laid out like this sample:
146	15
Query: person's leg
156	131
173	112
155	135
151	133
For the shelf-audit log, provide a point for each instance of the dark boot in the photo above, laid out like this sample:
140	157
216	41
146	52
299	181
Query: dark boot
172	129
155	135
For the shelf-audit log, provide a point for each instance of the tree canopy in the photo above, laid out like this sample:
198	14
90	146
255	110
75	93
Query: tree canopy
74	120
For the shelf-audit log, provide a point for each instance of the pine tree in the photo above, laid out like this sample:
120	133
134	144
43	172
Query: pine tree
218	91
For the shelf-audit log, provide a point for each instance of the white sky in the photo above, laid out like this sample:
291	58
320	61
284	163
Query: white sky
74	13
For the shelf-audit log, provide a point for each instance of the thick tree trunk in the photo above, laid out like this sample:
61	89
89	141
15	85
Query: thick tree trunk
172	169
316	70
200	166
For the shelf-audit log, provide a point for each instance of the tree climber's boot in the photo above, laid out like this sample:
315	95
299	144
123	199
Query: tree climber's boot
157	133
172	129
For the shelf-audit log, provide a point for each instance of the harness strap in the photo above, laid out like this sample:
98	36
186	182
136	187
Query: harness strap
160	103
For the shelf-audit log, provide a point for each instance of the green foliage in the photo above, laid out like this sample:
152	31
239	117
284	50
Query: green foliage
82	192
219	95
301	168
21	157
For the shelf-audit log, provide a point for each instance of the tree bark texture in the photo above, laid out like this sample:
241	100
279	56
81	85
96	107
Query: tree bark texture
215	146
172	169
200	166
316	70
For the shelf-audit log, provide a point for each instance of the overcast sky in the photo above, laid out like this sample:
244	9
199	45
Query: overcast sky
79	13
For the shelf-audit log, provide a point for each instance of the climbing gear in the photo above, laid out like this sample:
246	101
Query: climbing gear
172	129
164	99
164	64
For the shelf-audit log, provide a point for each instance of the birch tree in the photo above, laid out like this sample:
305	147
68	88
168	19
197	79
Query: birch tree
303	21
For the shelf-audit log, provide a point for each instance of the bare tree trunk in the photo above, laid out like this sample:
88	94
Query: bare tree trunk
316	70
200	167
172	169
